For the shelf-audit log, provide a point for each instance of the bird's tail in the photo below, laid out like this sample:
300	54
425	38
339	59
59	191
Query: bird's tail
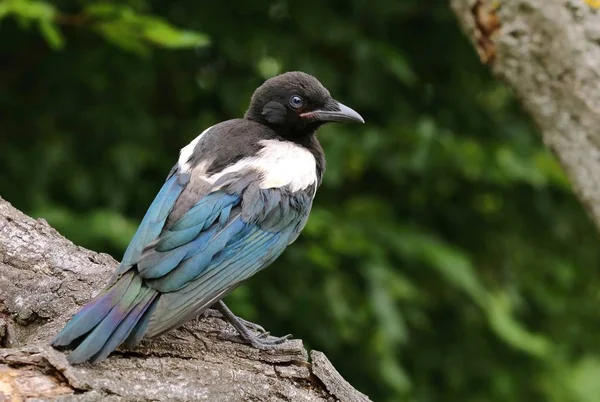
119	314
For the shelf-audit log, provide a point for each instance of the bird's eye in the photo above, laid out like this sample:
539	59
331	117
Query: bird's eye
296	102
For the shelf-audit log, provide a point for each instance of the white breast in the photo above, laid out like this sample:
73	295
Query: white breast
284	163
281	163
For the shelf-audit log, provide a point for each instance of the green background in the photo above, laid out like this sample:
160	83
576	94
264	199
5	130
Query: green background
446	258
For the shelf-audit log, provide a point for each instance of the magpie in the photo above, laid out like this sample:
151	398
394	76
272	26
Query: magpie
239	194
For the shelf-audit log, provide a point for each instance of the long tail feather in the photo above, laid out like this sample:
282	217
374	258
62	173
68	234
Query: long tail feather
92	313
142	326
131	321
105	322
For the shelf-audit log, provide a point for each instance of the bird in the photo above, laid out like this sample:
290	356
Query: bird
238	195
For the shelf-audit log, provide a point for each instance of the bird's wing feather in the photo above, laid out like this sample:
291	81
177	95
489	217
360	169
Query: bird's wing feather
195	258
200	231
220	242
153	222
240	259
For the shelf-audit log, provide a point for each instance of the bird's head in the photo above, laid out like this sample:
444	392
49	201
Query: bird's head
296	104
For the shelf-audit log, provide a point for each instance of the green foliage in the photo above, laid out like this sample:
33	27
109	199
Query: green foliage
124	27
120	24
40	12
446	258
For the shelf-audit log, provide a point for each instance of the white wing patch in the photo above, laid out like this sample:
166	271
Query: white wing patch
282	163
186	152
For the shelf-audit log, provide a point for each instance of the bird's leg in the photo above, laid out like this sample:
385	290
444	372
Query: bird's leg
214	313
257	341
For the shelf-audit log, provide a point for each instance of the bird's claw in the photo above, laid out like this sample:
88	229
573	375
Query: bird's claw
258	342
253	326
261	341
279	340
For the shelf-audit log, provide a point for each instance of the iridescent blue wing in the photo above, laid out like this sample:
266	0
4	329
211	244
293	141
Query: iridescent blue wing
249	238
171	272
153	222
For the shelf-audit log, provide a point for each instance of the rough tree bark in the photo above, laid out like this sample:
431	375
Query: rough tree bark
44	279
548	51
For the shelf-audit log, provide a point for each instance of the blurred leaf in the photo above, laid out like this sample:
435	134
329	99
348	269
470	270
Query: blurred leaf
51	34
268	67
163	34
394	375
576	382
41	12
397	63
584	380
129	30
451	263
512	332
389	316
29	9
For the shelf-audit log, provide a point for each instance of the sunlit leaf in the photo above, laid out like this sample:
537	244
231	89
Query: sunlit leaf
512	332
133	31
51	34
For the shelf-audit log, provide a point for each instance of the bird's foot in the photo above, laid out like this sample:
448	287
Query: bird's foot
248	324
262	341
252	326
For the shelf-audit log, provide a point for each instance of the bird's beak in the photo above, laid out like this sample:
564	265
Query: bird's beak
334	111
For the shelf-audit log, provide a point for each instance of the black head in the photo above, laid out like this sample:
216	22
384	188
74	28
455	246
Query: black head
296	104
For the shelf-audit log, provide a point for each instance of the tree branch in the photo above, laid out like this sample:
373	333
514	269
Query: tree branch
549	53
45	278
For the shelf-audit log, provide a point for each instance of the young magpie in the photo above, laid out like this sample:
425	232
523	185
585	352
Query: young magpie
240	193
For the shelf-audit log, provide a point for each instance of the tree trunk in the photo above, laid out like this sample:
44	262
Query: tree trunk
548	51
44	279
